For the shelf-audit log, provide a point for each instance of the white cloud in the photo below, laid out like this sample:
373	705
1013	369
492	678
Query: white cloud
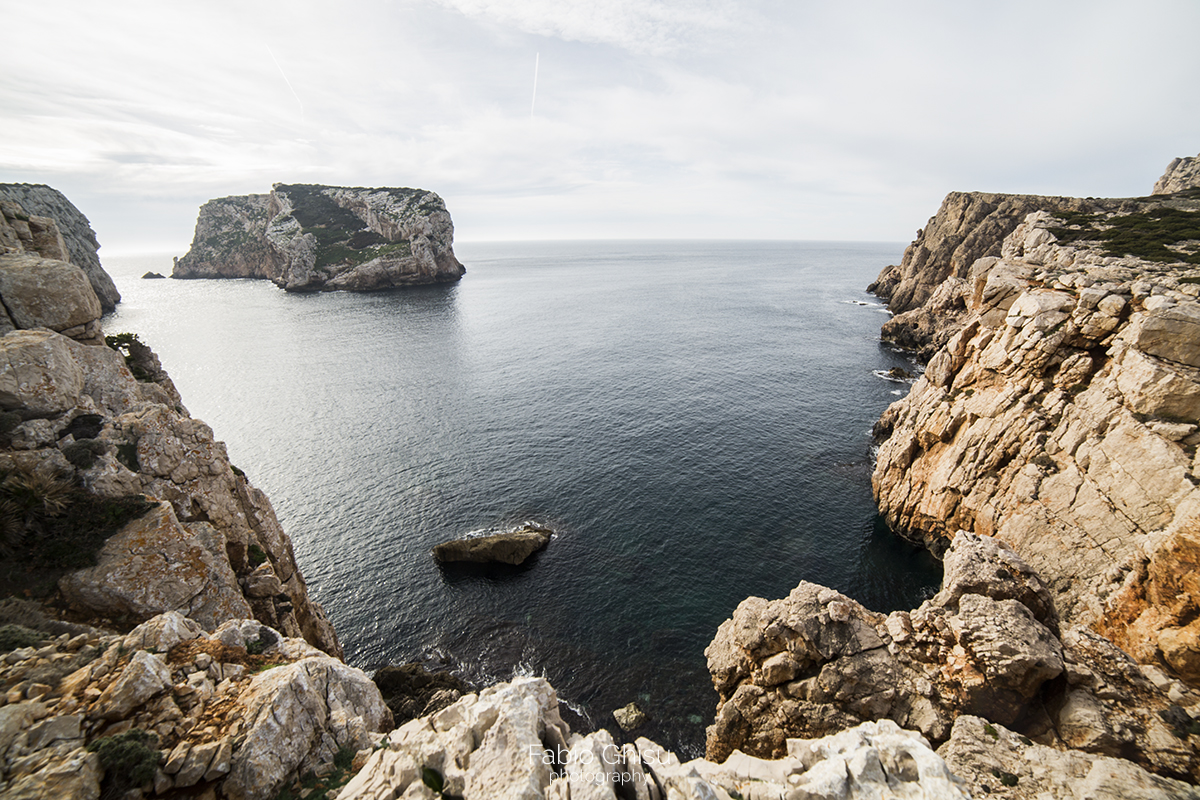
737	118
642	26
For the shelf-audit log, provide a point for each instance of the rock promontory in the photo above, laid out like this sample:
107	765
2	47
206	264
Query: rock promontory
325	238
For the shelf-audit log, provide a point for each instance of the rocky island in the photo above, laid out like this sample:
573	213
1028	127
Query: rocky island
308	238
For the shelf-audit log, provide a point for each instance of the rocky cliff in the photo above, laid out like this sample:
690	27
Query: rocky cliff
1061	417
1181	174
310	238
39	204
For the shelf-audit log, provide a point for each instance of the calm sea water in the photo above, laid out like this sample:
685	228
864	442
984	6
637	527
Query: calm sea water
692	418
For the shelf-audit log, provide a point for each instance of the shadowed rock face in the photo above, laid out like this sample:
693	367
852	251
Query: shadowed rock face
505	548
325	238
77	236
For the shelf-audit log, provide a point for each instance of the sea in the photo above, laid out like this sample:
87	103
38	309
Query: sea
692	419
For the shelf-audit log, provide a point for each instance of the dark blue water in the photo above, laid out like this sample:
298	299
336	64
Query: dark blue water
693	418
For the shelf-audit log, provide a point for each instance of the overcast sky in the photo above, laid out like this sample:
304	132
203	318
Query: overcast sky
738	119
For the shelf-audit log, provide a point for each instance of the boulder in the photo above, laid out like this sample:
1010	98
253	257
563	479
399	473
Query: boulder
988	644
144	677
156	564
296	717
512	547
630	717
45	293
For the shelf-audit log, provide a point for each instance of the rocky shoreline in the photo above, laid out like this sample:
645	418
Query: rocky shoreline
1048	453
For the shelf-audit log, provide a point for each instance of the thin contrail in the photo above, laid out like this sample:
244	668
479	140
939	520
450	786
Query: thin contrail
289	83
533	102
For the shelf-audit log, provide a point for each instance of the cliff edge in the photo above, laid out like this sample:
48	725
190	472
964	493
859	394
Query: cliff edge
325	238
1061	416
41	204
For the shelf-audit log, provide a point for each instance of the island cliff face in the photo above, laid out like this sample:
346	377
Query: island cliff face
325	238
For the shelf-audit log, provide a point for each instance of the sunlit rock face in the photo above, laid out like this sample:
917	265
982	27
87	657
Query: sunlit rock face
1059	412
325	238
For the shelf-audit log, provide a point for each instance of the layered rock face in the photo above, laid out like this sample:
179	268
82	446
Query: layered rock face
1061	417
310	238
988	645
73	239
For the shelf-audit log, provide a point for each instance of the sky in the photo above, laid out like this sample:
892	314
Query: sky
596	119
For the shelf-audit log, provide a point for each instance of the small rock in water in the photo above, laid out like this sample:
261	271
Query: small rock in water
512	547
899	372
630	717
149	275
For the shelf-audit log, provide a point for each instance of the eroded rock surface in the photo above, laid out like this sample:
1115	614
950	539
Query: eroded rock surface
989	644
1181	174
509	741
1062	417
213	549
226	721
308	238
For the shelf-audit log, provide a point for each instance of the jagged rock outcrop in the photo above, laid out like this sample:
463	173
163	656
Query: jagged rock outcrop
509	741
237	723
73	239
989	644
212	544
1061	417
309	238
1182	174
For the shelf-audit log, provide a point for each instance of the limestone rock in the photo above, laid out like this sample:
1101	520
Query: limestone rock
1004	764
1058	416
156	564
307	238
630	717
144	677
988	644
412	691
72	228
161	633
296	717
38	376
1181	174
44	293
511	547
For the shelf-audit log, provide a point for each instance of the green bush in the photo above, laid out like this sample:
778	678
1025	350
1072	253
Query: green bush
13	637
129	760
83	453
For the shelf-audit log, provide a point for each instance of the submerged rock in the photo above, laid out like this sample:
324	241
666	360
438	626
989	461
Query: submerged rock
511	547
